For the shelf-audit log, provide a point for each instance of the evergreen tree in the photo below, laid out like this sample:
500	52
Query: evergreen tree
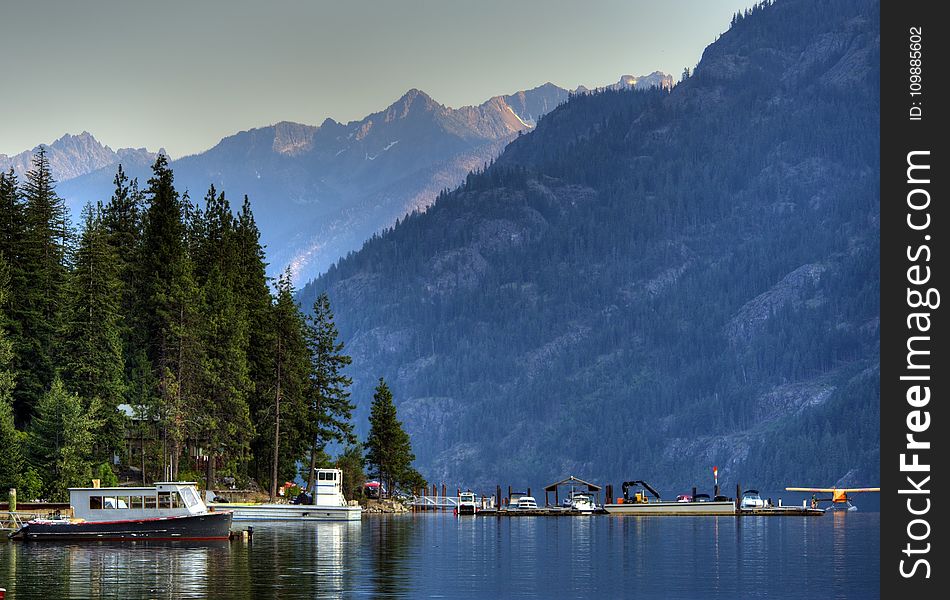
328	407
388	449
43	262
11	457
352	463
58	441
227	383
122	221
91	359
12	222
254	295
283	420
170	300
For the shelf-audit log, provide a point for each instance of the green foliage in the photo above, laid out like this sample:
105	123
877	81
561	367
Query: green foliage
352	463
106	475
59	441
328	409
11	456
39	277
388	449
91	351
164	306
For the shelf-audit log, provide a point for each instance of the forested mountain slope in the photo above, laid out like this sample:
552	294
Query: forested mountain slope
650	283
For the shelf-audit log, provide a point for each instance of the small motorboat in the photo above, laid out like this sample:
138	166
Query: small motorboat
582	503
751	499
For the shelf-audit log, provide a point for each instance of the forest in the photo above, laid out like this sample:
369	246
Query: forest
651	283
148	344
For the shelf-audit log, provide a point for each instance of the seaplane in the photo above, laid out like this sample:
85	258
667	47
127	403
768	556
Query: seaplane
839	496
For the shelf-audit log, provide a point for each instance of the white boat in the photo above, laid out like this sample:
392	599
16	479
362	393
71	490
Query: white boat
468	505
328	504
641	504
522	502
751	499
582	503
167	511
525	503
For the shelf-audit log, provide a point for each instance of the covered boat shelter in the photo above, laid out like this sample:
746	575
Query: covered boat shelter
573	482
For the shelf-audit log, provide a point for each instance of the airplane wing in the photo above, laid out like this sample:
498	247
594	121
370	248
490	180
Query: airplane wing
832	490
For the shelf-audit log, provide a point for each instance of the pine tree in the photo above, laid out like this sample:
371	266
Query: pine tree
91	359
254	295
328	407
283	420
43	261
388	449
59	439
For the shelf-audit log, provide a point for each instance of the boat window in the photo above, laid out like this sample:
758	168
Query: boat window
321	476
189	496
136	502
95	502
123	502
151	502
164	500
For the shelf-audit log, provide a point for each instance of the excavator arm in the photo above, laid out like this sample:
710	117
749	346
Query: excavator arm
629	484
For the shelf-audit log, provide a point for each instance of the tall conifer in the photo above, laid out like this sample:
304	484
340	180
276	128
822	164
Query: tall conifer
45	250
91	359
328	407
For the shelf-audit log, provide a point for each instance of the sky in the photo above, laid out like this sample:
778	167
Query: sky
183	74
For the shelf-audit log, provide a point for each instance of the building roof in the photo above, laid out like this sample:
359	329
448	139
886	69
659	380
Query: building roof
572	481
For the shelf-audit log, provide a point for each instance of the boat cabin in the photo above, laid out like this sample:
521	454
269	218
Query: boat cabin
164	499
328	490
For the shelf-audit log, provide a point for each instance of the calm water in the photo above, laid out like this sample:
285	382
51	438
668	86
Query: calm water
436	555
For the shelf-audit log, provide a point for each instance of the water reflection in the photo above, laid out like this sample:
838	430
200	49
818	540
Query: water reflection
417	556
46	570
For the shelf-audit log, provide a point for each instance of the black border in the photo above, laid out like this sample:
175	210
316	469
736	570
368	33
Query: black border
900	135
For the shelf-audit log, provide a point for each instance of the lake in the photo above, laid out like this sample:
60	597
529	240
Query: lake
441	556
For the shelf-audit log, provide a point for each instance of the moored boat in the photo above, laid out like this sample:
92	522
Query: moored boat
467	504
641	504
167	511
328	504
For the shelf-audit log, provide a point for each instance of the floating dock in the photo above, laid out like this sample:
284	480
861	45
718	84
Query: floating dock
551	511
780	511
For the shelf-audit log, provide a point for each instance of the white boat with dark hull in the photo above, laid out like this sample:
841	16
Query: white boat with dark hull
328	504
168	511
641	504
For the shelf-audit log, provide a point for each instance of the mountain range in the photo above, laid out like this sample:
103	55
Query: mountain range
650	283
318	192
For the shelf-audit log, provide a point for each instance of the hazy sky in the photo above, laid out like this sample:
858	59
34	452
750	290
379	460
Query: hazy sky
183	74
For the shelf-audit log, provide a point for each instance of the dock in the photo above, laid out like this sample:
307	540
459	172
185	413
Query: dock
548	511
780	511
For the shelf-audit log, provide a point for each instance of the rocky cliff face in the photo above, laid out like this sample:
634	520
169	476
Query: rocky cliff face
320	191
73	156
